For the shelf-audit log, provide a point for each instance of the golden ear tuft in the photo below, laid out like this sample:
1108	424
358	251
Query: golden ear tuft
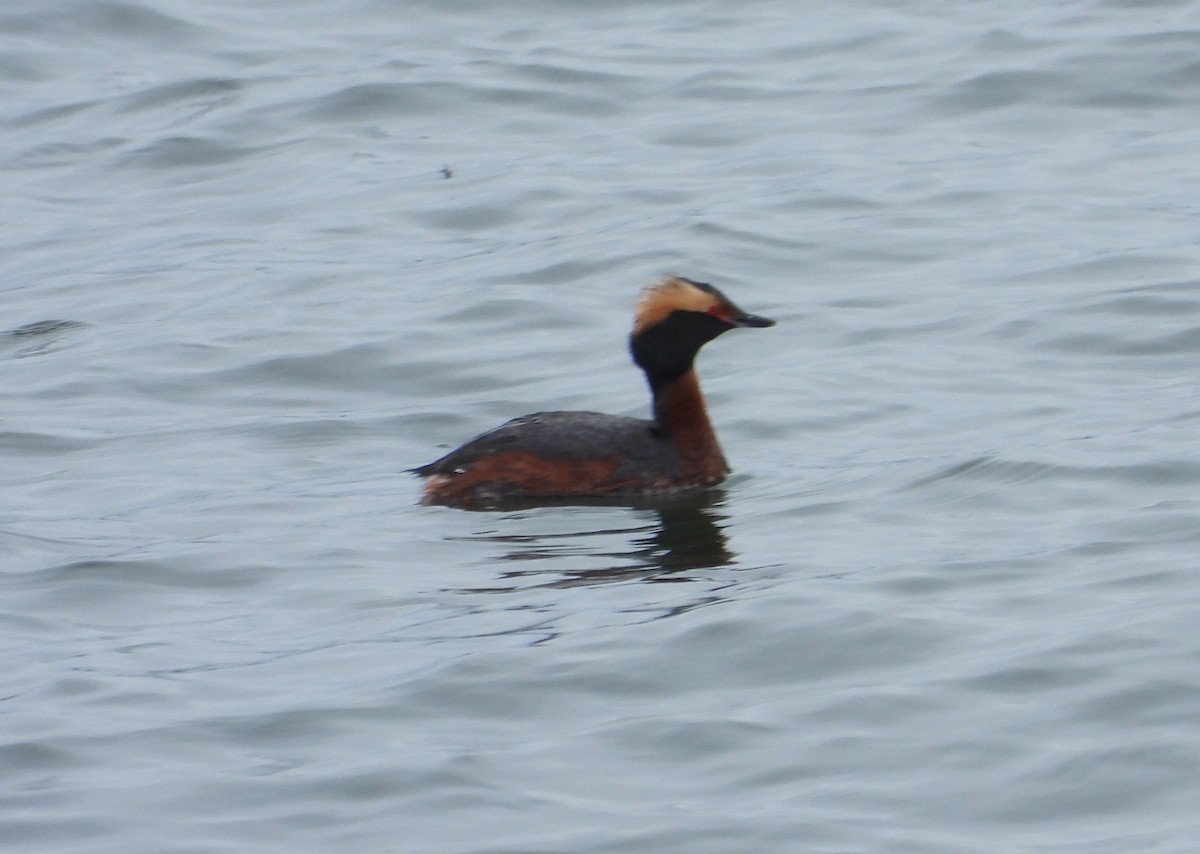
671	293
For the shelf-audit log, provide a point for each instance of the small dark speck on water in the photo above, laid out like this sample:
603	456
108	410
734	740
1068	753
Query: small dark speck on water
446	173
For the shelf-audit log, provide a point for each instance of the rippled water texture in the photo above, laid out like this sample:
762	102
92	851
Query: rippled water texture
258	259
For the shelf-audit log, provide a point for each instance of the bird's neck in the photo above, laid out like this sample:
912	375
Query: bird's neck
679	411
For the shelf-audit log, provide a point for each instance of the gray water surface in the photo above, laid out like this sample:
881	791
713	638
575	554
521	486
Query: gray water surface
256	261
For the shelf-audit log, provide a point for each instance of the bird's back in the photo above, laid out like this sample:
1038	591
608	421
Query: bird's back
556	453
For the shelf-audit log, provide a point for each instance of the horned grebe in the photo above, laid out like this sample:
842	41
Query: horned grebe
556	455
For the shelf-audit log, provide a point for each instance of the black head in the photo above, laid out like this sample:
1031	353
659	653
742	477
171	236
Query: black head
674	319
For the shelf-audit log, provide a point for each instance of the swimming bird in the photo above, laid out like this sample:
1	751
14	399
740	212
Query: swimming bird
563	455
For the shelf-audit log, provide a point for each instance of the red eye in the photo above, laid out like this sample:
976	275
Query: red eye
720	313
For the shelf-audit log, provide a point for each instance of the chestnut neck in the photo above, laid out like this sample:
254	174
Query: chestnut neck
679	411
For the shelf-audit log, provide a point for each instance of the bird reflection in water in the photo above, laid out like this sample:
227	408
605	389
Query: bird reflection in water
686	536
